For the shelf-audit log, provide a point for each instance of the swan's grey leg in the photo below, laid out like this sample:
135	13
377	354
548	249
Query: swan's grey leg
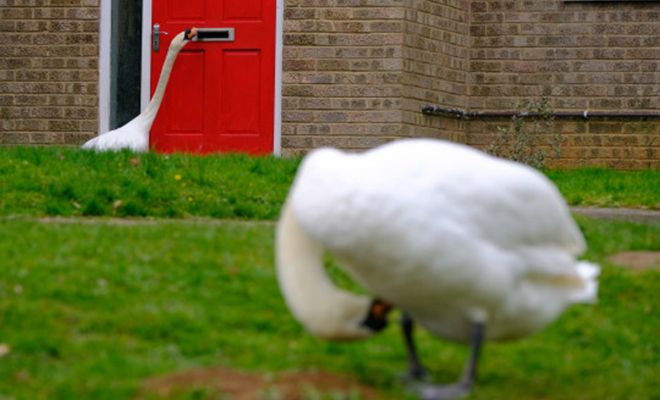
416	370
464	385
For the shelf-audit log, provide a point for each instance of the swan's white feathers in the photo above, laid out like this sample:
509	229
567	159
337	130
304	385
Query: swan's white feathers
130	136
447	233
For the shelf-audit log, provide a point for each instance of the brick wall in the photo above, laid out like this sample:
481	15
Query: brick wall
357	73
48	71
342	63
618	143
436	44
595	56
477	56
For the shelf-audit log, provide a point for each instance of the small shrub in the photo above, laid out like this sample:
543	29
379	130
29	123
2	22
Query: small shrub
523	145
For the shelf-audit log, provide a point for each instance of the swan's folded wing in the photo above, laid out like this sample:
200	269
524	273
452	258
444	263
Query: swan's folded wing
428	185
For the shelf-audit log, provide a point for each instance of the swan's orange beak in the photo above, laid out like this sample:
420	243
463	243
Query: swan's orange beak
191	33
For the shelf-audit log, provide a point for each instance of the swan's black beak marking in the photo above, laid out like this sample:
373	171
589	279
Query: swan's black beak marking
190	34
377	318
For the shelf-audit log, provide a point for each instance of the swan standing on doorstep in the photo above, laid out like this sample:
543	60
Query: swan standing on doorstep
135	134
469	246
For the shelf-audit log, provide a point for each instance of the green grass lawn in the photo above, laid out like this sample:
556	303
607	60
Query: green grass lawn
607	188
70	182
90	308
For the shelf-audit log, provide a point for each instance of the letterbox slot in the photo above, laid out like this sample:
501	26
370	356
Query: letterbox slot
214	35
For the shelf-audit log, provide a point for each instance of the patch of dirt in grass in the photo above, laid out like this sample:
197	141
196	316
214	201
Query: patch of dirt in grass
637	260
224	383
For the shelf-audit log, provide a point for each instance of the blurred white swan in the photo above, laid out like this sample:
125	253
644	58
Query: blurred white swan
471	247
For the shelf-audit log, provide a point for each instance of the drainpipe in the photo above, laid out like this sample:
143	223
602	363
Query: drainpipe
459	113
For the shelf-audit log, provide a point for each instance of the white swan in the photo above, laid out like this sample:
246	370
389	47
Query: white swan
135	134
470	246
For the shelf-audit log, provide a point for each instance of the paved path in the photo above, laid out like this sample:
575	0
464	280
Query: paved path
620	214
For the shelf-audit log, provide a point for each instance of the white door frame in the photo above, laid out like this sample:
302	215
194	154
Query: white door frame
105	31
145	85
145	89
279	44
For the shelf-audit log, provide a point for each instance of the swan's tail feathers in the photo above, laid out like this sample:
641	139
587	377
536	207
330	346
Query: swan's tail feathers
589	273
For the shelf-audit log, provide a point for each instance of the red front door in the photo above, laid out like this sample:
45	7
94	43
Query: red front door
220	96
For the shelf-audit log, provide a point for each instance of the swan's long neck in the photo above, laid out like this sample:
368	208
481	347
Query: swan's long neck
149	113
325	310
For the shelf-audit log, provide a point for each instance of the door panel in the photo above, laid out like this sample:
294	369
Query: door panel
177	99
248	9
221	94
241	95
180	10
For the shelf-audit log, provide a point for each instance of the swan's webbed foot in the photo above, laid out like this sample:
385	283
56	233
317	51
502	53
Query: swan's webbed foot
442	392
415	375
